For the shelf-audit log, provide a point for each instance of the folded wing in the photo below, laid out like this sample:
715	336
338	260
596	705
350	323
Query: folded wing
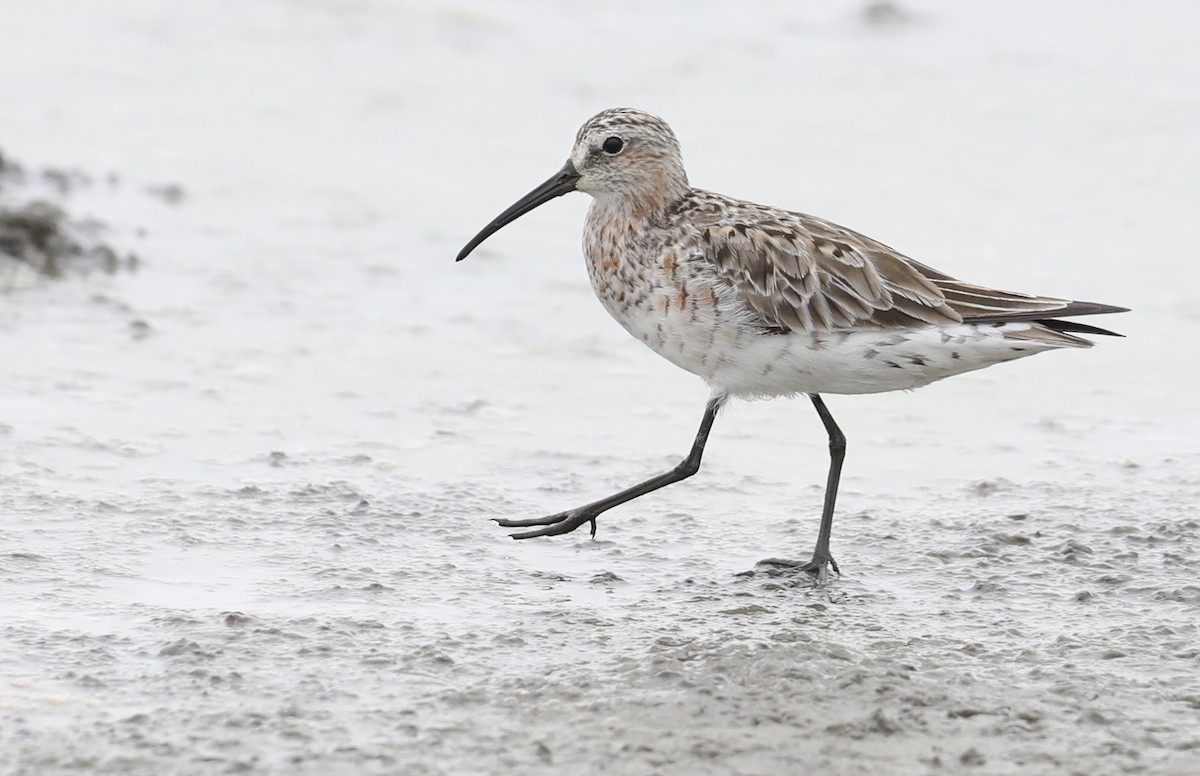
801	273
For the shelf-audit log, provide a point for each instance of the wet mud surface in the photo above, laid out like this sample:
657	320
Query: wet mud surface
247	490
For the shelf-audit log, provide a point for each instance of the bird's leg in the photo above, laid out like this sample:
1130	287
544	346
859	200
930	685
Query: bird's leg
565	522
822	559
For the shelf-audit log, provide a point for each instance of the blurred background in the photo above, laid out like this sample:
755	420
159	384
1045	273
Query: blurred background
249	446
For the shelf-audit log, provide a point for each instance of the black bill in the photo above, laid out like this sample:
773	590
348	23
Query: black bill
562	182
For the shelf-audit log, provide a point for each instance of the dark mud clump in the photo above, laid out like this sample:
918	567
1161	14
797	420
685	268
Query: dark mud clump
39	234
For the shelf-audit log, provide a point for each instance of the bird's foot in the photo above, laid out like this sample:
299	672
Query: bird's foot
552	525
818	566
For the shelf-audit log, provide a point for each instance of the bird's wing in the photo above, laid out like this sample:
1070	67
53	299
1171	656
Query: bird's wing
804	274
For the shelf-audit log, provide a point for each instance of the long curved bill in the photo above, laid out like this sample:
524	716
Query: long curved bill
562	182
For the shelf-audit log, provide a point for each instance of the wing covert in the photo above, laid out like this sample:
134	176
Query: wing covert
813	277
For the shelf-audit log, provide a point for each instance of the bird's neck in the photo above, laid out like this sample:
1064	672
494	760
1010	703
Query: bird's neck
650	204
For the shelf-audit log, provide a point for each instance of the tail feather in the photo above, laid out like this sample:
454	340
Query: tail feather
1078	328
1048	336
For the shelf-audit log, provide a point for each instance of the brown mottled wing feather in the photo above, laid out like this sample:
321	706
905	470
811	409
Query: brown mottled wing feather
802	273
805	274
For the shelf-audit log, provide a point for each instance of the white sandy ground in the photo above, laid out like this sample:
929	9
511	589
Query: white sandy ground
1020	547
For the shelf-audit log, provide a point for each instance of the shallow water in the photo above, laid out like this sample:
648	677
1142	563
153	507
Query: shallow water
250	533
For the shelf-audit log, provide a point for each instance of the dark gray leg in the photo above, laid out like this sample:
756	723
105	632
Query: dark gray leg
565	522
822	559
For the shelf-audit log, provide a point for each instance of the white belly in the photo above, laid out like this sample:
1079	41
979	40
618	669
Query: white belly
747	363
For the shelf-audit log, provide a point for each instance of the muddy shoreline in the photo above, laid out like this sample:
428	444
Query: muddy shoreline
252	533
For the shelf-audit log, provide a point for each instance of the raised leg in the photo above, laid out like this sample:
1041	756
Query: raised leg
565	522
822	559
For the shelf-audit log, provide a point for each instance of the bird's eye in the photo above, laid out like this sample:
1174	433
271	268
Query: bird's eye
613	145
